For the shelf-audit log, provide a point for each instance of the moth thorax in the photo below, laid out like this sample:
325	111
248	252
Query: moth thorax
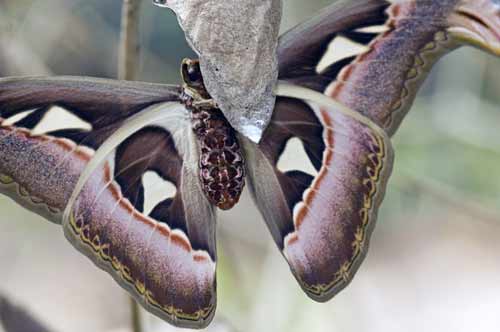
222	173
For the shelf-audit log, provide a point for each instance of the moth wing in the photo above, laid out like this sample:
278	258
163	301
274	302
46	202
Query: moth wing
322	224
31	172
165	259
301	49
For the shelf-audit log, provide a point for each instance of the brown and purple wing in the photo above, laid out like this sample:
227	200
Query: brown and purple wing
302	48
164	258
32	148
321	223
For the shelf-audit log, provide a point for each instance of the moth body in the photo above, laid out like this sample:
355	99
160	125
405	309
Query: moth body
221	165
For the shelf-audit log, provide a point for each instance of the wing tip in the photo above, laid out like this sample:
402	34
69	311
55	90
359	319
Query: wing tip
324	292
198	321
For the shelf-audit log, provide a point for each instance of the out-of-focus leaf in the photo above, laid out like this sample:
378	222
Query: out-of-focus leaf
15	318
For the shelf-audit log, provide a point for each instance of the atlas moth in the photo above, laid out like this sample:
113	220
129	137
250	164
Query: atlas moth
89	180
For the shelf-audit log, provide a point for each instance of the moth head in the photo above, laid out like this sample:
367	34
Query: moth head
191	73
193	80
477	23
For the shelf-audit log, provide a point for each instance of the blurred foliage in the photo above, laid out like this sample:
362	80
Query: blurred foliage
17	319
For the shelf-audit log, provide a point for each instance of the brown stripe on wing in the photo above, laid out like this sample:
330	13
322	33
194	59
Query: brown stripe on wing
322	223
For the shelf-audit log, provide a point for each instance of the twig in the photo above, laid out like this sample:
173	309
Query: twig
129	40
136	316
127	70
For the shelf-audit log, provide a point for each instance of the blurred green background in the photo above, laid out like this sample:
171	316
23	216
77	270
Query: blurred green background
434	261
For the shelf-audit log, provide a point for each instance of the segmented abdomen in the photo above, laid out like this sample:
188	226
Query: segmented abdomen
222	173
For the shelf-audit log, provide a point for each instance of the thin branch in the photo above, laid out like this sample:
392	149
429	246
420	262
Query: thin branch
136	316
129	40
127	70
